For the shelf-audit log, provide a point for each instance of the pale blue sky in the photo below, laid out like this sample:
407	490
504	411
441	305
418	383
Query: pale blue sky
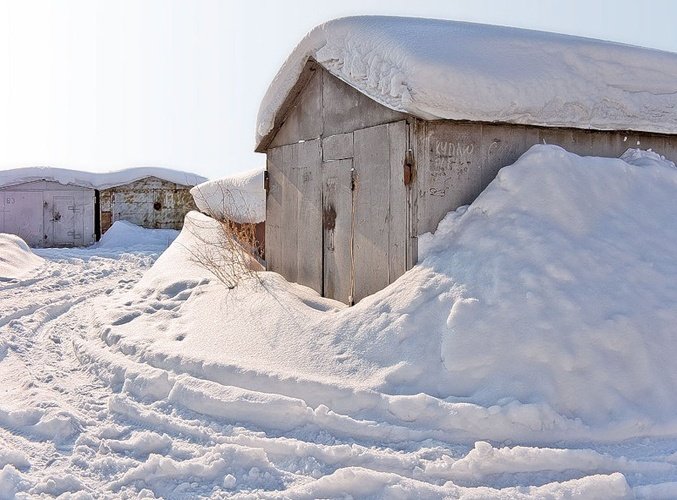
100	85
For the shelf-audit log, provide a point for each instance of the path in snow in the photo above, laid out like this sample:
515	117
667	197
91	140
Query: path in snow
80	415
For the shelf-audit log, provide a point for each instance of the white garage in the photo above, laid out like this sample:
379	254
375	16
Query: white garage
48	213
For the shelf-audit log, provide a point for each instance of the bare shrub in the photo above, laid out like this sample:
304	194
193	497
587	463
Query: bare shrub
227	248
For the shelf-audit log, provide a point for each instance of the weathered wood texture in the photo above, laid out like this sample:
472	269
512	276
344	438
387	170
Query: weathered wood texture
456	160
48	214
372	210
294	221
325	106
369	236
337	222
149	202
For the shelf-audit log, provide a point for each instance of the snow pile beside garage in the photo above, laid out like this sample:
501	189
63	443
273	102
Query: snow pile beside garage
239	198
545	311
437	69
95	180
16	258
128	236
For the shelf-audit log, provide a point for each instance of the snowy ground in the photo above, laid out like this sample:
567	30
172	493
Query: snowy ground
126	380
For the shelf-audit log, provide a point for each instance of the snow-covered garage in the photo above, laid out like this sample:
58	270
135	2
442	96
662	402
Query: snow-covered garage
376	127
155	198
47	213
53	207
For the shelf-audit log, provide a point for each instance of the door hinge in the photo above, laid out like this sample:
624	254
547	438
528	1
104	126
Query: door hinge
352	179
266	181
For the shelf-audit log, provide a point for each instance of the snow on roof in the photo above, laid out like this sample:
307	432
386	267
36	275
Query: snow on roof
95	180
240	198
436	69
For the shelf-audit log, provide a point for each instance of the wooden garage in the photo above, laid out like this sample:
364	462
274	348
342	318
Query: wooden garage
372	139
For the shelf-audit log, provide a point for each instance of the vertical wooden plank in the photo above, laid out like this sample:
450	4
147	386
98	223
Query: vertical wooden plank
273	227
371	212
308	177
337	207
289	236
397	220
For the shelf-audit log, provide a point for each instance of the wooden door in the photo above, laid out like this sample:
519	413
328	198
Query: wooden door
365	219
380	207
337	223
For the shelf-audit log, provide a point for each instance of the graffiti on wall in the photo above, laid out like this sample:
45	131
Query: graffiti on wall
449	161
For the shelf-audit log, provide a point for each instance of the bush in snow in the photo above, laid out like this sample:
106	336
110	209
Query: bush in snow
227	249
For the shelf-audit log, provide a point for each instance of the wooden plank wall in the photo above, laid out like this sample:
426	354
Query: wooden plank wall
294	210
457	160
371	211
337	205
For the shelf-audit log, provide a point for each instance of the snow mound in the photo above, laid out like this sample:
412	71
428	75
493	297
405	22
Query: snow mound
96	180
454	70
123	234
240	198
566	275
544	311
16	258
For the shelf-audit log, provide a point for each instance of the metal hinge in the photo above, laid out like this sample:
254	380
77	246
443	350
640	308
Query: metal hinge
266	181
352	179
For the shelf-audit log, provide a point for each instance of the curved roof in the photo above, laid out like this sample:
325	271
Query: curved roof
95	180
435	69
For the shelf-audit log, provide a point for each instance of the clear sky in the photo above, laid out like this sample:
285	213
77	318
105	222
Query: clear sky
107	84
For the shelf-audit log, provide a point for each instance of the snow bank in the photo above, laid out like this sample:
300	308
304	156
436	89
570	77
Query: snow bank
567	271
128	236
95	180
446	69
545	311
240	198
16	258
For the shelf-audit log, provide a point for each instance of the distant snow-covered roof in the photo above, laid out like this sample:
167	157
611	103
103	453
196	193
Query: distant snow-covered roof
436	69
240	198
95	180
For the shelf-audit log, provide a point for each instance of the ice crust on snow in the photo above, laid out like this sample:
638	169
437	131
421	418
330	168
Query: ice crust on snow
239	198
95	180
437	69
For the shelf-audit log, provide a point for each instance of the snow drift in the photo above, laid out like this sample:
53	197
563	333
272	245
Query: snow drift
16	258
239	198
454	70
544	311
128	236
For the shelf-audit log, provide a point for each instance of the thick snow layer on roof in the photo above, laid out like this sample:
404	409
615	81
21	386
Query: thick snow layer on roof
464	71
95	180
16	259
240	198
